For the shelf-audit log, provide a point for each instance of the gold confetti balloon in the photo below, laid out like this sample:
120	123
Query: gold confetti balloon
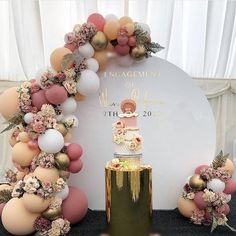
197	183
62	161
138	52
99	41
62	129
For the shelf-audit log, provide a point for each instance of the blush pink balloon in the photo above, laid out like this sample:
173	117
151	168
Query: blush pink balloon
98	20
56	94
1	208
75	166
33	144
75	206
122	40
38	99
132	41
199	168
122	50
199	201
70	46
230	187
74	151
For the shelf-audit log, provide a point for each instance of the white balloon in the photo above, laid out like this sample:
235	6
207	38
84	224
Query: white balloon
145	27
216	185
86	50
92	64
28	118
69	106
125	61
110	17
71	119
187	180
88	83
64	193
228	198
51	141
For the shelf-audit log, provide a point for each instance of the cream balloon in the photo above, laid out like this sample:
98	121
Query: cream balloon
64	193
125	61
28	118
69	106
86	50
45	174
88	83
51	141
216	185
92	64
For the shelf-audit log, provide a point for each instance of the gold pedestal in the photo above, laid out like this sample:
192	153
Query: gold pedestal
129	202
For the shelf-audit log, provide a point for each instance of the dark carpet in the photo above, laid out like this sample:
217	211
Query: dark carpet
166	223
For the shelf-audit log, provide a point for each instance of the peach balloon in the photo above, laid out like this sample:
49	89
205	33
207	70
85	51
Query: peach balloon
111	28
45	174
16	219
125	20
34	203
57	56
23	155
23	137
130	28
102	59
68	137
9	104
186	207
20	175
79	97
229	166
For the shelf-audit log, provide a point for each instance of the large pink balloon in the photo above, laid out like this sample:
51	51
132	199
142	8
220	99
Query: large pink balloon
74	151
75	206
56	94
75	166
199	201
230	187
199	168
98	20
38	99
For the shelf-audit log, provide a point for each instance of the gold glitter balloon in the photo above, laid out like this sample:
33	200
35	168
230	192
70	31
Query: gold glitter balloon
62	129
138	52
99	41
197	183
62	161
52	213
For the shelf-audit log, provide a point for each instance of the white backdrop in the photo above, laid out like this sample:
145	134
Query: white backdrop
175	120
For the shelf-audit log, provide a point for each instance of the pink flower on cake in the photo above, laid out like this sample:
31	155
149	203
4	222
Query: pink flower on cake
69	37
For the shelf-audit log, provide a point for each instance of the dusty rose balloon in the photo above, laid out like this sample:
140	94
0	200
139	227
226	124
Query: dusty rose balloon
75	166
38	99
74	151
199	201
16	219
122	50
132	41
122	40
33	144
230	187
56	94
75	206
1	208
70	46
199	168
9	104
227	209
98	20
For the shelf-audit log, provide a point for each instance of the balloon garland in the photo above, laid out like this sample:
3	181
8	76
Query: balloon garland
39	112
207	193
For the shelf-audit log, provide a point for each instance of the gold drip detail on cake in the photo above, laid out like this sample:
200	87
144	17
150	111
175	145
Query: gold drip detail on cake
134	177
119	179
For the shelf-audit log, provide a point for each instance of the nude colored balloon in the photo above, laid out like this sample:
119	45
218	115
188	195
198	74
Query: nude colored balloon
186	207
9	104
23	155
23	137
16	219
130	28
111	28
102	59
125	20
45	174
34	203
57	56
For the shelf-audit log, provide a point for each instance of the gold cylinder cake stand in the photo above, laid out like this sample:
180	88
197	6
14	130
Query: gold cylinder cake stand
129	202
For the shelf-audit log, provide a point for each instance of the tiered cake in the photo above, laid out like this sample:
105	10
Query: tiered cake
128	182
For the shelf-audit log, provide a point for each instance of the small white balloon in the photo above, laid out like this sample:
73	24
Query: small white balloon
110	17
216	185
71	120
64	193
86	50
28	117
51	141
145	27
88	83
125	61
92	64
69	106
228	198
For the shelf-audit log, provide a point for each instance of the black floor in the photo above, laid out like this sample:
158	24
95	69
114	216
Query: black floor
168	223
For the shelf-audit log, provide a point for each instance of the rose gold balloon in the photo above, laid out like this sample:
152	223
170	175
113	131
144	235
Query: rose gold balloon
45	174
186	207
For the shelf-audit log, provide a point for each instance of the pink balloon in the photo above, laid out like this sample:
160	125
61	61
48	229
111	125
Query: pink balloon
122	40
75	206
230	187
56	94
75	166
70	46
132	41
199	201
74	151
122	50
199	168
38	99
227	209
33	144
98	20
1	208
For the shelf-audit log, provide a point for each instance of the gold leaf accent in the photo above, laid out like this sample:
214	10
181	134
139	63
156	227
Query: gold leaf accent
220	160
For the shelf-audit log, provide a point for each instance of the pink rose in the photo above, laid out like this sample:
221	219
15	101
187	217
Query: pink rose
69	37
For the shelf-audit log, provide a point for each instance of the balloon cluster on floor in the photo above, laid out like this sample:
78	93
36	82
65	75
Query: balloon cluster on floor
207	193
39	112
